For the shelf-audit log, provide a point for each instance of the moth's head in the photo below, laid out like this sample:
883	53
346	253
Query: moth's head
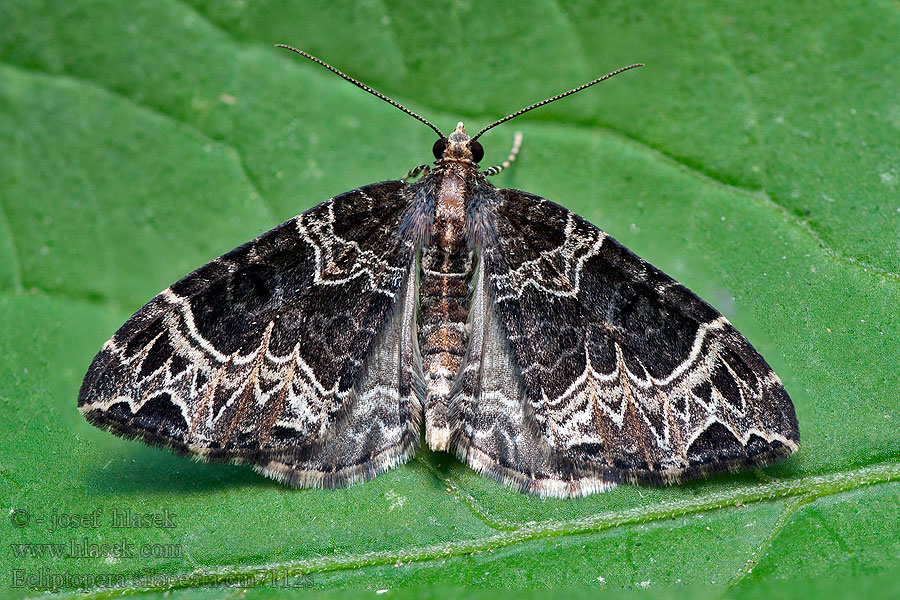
458	147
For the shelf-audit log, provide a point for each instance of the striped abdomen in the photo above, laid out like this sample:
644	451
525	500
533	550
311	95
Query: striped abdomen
444	296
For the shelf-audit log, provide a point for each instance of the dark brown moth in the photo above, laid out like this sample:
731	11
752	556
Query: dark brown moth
528	342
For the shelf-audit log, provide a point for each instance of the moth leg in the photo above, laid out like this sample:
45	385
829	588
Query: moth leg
513	152
415	171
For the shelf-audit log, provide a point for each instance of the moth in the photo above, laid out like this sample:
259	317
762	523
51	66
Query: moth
528	342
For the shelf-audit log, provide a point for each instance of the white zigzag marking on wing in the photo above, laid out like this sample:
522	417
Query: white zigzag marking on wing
570	401
699	338
488	399
198	353
567	250
314	237
743	388
188	316
243	380
238	359
769	437
637	399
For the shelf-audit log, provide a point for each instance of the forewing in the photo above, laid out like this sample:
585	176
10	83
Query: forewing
614	371
292	352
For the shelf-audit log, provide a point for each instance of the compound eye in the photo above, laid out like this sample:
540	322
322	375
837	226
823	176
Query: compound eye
439	147
477	151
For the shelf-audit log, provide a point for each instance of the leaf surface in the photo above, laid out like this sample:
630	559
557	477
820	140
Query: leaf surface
755	159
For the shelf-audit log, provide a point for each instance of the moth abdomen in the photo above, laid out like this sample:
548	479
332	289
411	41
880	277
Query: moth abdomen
444	300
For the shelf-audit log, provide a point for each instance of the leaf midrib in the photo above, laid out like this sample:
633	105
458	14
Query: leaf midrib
804	490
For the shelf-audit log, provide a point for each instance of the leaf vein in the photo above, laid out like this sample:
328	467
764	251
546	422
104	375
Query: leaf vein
804	490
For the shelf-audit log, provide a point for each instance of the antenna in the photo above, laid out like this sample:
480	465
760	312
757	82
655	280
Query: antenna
554	98
363	86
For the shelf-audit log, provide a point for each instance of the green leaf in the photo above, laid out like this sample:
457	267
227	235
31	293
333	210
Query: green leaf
755	159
